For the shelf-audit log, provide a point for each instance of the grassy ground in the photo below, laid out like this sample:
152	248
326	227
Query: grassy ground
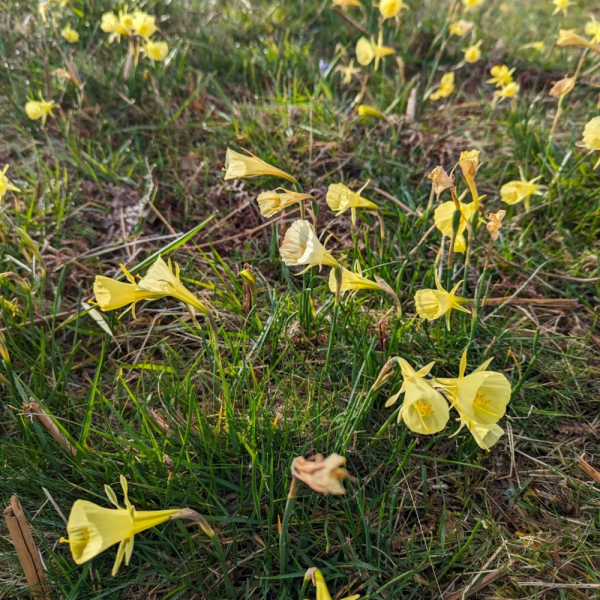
127	167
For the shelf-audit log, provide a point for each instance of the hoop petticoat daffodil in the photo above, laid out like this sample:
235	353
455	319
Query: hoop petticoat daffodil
473	52
159	281
433	304
445	88
274	201
569	37
501	75
92	528
301	246
318	581
156	51
460	28
424	409
443	217
471	4
144	24
321	474
507	91
516	191
39	109
110	23
367	50
469	165
345	4
561	6
591	136
391	8
238	166
340	198
5	184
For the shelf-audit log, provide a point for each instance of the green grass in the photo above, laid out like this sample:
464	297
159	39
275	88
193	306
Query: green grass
425	515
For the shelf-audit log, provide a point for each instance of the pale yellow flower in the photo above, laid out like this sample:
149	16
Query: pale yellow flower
5	184
321	474
364	110
433	304
517	191
352	281
348	72
460	28
238	166
443	217
92	529
70	34
318	581
274	201
561	6
495	223
445	88
569	37
126	20
367	50
39	109
508	91
345	4
144	24
340	198
469	165
473	52
391	8
591	136
539	46
424	409
593	28
156	51
563	87
501	75
110	23
472	4
301	247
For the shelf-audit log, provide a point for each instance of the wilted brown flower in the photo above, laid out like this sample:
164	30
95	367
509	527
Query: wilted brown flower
563	87
441	180
495	223
568	37
469	163
321	474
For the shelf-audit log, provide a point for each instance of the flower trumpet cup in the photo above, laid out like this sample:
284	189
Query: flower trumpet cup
301	247
238	166
340	198
432	304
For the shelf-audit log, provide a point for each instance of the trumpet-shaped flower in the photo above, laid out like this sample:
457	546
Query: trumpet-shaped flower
318	581
424	409
433	304
156	51
70	34
508	91
569	37
144	24
39	109
561	6
346	4
472	4
92	528
367	50
239	165
445	88
272	202
160	281
5	184
110	23
469	165
443	217
321	474
364	110
460	28
340	198
485	435
562	87
352	281
301	246
517	191
126	19
473	52
593	28
391	8
591	136
501	75
539	46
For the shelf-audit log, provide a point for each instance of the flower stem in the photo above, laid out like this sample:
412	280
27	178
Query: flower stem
283	536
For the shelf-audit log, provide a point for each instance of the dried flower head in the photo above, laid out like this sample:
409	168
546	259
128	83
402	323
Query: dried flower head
563	87
495	223
321	474
441	180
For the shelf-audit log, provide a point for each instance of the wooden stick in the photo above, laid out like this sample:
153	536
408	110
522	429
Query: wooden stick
27	551
547	302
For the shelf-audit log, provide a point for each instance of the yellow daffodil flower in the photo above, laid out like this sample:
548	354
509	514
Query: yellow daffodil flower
473	52
539	46
92	529
469	165
424	409
346	4
433	304
348	72
593	28
340	198
272	202
472	4
485	435
126	21
562	87
517	191
318	581
160	281
301	246
443	216
352	281
364	110
495	223
561	6
569	37
591	136
70	35
323	475
5	184
144	24
391	8
501	75
110	23
508	91
156	51
445	88
460	28
39	110
367	50
239	165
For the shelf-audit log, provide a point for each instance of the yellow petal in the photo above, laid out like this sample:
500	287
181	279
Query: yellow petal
424	410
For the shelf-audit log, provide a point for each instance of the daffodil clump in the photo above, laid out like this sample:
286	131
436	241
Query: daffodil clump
480	399
136	26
